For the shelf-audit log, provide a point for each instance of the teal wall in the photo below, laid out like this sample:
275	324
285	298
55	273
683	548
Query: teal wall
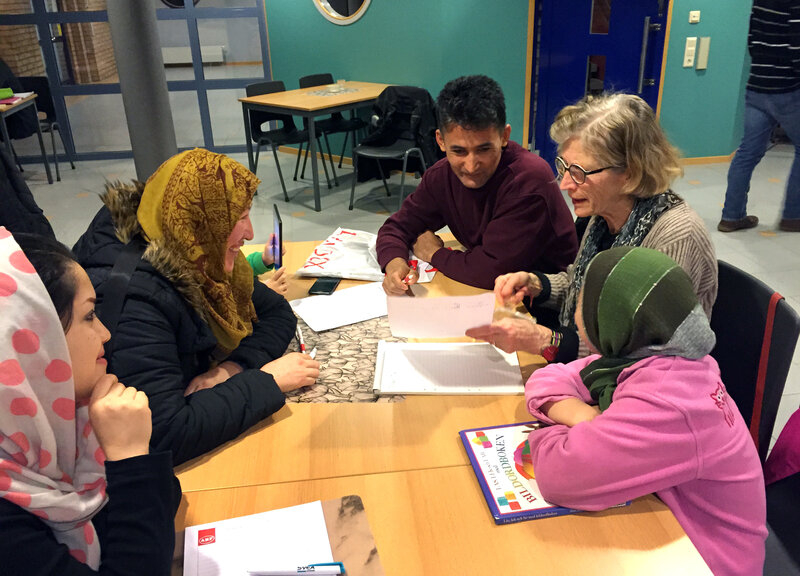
416	42
701	110
428	42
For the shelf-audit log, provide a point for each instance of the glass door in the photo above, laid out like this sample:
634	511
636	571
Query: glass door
211	51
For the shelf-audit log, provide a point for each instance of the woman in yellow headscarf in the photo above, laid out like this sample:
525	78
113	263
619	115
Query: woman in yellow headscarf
196	334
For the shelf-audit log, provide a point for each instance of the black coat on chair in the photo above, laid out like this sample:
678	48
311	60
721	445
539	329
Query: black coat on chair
23	123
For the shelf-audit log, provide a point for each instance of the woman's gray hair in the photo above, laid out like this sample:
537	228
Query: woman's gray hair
621	130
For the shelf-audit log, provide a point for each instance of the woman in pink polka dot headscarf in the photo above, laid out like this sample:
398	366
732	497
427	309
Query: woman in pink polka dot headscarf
70	433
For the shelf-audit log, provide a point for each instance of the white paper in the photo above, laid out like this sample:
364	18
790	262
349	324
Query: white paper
22	94
343	307
279	539
438	317
445	368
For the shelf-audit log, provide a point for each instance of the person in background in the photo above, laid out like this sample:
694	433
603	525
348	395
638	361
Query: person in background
772	98
500	201
647	412
195	333
80	491
616	165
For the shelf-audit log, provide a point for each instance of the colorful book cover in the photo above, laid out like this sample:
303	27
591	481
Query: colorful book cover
11	100
501	458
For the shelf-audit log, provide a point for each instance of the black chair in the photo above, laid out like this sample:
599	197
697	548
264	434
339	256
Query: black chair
756	335
23	123
44	103
783	521
335	124
404	124
285	135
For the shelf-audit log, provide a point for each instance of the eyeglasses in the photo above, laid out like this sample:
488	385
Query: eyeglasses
577	173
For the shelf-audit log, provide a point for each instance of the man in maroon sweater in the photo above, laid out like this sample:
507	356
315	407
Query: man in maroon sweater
501	202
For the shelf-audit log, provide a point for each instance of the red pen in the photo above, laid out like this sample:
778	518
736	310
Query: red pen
413	264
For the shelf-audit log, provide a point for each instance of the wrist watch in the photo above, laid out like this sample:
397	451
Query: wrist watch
550	351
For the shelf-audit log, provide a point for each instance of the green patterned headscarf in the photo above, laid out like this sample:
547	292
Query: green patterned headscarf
638	302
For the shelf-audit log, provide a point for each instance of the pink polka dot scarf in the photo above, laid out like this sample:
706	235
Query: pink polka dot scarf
50	461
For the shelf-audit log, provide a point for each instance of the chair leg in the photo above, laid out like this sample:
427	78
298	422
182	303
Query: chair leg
355	177
305	159
344	147
330	158
280	174
402	180
61	135
297	163
255	160
385	185
16	158
55	154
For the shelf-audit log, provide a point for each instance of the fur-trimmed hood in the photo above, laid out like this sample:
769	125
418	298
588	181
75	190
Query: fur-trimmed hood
122	201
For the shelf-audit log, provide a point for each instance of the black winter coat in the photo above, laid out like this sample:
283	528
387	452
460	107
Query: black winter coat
161	343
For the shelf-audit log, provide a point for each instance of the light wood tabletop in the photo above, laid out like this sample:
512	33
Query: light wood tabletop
436	521
319	97
319	440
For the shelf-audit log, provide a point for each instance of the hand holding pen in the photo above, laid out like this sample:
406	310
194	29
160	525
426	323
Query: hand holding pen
302	344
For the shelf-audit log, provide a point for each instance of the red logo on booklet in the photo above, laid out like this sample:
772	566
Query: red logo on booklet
207	536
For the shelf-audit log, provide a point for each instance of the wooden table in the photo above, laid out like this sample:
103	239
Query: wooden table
435	521
9	109
304	102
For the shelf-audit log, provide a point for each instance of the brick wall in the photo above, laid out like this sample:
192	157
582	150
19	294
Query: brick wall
19	45
89	44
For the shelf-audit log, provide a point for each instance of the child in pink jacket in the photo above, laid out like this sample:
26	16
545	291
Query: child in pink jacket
649	413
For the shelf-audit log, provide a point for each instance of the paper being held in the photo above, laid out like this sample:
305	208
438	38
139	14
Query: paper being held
442	317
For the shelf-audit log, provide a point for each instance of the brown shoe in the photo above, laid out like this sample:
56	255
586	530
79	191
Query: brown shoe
789	224
741	224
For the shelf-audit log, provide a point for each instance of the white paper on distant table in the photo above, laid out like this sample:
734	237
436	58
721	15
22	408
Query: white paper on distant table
279	539
445	368
343	307
438	317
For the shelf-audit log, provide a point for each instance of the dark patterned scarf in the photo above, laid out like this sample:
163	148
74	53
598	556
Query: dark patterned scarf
638	225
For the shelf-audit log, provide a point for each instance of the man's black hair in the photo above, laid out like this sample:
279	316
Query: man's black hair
472	102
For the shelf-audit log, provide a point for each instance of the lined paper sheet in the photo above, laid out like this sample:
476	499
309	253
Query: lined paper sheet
440	317
343	307
279	539
445	368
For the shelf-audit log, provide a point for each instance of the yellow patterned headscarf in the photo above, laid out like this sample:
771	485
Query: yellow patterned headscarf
190	206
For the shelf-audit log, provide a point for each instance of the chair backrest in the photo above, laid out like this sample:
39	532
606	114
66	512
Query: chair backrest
44	98
257	117
316	80
756	335
406	112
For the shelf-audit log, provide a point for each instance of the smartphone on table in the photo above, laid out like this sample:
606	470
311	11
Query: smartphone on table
324	285
277	241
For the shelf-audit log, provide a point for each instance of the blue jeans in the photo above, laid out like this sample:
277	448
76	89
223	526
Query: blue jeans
762	113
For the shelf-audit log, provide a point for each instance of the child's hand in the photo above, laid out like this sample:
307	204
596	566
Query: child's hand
569	411
267	255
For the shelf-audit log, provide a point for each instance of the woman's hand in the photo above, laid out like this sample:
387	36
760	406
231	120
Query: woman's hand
220	373
569	411
120	418
279	281
293	371
513	335
510	289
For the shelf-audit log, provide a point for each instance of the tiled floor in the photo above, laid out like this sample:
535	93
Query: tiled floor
769	254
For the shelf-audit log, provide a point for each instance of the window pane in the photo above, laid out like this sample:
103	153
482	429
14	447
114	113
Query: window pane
595	74
230	47
19	48
89	54
186	118
174	38
98	122
601	14
226	116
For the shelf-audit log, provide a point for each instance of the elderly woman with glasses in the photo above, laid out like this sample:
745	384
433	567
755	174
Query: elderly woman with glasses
616	165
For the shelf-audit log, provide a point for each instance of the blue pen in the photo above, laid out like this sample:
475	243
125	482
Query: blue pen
321	568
